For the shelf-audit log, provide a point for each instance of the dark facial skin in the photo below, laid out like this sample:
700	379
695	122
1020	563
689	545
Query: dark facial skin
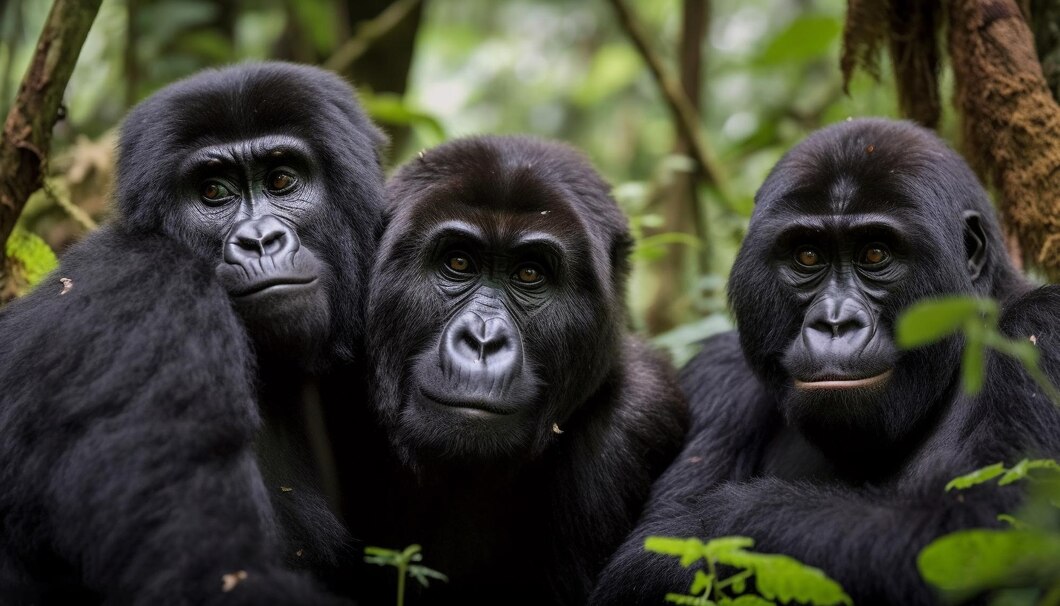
250	197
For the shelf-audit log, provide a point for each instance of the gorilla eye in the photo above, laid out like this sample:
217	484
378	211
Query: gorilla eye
528	275
214	192
280	181
808	257
874	254
459	263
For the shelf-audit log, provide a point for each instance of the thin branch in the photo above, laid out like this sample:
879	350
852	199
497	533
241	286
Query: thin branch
367	33
684	113
28	128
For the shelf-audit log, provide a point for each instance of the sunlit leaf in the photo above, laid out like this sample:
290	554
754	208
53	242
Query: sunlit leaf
688	600
689	550
33	256
1024	468
702	583
779	577
979	476
969	560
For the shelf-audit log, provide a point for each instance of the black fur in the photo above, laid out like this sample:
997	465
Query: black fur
513	511
145	432
858	493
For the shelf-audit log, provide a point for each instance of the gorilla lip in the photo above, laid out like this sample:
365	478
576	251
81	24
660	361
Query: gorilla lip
479	405
845	383
268	283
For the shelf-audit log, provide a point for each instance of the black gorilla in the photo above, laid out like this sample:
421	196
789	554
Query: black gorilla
811	432
525	424
131	403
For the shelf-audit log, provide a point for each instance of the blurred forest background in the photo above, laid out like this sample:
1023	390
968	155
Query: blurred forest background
761	74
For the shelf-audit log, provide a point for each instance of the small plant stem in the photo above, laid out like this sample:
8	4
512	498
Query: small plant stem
736	577
403	569
715	592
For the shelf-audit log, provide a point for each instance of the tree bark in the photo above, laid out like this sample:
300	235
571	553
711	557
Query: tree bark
679	202
28	128
1011	122
385	64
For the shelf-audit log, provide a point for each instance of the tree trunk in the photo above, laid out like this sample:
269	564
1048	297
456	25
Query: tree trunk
385	66
678	202
28	128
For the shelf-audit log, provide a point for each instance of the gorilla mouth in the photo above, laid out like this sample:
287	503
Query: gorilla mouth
273	282
837	382
470	404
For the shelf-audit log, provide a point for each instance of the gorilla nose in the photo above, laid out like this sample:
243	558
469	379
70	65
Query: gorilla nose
486	341
833	325
254	239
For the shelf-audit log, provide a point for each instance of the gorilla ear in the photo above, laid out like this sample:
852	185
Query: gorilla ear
974	243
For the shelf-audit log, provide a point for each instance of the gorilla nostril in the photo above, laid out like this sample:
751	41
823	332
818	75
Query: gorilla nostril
253	240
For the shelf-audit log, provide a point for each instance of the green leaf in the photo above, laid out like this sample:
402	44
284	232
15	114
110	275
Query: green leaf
688	600
785	579
979	476
392	109
970	560
702	583
34	257
1011	521
689	550
935	319
422	574
804	39
1023	469
716	548
750	600
972	361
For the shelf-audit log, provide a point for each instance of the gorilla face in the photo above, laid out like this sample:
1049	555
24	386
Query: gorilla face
269	172
853	226
496	289
251	198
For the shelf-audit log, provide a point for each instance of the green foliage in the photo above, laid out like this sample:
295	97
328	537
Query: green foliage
805	38
33	258
969	561
405	561
394	109
776	578
976	319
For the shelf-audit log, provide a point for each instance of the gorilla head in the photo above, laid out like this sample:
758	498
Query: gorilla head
496	300
271	171
851	227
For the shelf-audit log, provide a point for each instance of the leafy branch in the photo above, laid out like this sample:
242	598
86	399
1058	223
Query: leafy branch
776	578
933	320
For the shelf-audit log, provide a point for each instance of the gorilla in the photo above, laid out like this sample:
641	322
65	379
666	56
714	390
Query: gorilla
157	416
522	425
812	433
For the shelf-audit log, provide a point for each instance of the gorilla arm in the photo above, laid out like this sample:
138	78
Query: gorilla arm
126	435
866	538
726	414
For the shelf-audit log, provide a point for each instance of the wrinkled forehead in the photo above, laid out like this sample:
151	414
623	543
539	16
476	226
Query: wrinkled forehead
504	208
